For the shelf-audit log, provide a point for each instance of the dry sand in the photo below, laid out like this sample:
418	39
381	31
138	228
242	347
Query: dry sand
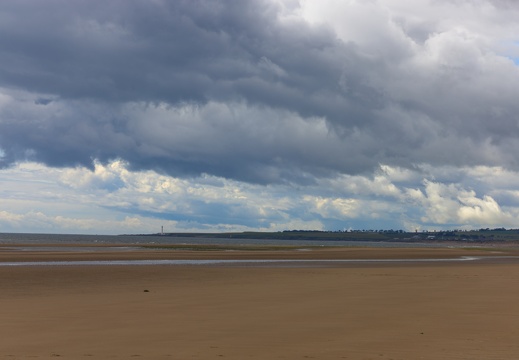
422	310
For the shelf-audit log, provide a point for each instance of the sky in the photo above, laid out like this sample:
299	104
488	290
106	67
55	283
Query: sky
125	116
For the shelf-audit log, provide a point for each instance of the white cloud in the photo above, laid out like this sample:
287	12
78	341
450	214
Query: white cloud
485	210
37	221
113	199
336	208
381	183
452	205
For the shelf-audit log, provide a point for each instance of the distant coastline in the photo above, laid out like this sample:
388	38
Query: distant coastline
473	236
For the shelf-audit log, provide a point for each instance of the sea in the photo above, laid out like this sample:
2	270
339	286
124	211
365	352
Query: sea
73	239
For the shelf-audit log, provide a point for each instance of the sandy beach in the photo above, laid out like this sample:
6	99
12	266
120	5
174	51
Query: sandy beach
360	310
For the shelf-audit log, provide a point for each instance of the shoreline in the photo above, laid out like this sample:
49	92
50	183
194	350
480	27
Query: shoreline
245	256
89	252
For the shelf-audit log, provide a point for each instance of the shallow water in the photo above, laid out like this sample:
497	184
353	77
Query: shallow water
279	262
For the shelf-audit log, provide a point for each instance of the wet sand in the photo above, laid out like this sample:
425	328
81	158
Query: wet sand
363	310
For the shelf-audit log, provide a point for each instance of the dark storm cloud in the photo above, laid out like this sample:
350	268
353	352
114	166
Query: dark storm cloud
167	51
235	89
171	52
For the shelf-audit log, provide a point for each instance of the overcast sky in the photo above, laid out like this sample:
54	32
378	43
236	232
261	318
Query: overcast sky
232	115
